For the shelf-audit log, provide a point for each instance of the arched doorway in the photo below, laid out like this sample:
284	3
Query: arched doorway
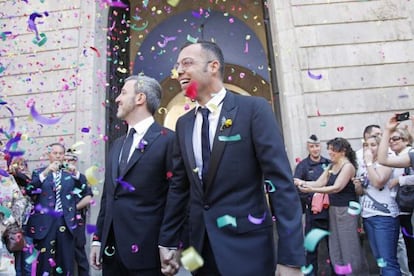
156	32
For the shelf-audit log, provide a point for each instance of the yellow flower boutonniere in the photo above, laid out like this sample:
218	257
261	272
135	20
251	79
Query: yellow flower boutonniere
225	123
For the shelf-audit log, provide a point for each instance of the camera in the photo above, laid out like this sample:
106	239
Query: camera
63	166
403	116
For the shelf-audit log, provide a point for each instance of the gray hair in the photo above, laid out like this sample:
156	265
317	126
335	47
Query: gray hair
150	87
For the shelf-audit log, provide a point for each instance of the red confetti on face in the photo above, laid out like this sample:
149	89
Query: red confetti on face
340	128
191	91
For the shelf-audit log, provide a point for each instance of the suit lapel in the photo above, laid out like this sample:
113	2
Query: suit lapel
188	142
115	159
228	111
150	136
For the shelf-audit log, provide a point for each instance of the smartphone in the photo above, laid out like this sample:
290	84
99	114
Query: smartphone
403	116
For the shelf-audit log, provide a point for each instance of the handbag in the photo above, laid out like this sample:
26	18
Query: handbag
13	238
405	198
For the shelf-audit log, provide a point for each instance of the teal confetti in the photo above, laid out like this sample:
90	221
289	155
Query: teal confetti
226	220
313	238
229	138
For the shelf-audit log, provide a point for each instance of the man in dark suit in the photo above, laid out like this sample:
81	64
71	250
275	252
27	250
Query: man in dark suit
230	222
51	225
82	205
136	185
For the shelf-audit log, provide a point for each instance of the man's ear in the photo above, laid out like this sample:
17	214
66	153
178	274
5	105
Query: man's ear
140	98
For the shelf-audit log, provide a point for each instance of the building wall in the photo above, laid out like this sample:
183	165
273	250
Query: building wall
64	78
363	52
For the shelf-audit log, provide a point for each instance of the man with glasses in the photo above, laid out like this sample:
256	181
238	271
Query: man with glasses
226	149
52	223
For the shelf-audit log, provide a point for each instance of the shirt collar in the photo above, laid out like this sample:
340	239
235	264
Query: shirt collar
142	126
214	102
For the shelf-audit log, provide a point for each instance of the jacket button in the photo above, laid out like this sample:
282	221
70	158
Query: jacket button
206	207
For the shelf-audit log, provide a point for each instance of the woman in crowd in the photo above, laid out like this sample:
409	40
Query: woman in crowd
344	244
12	206
400	141
379	208
21	173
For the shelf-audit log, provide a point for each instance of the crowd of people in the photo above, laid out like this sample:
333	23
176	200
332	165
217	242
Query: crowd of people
218	184
368	179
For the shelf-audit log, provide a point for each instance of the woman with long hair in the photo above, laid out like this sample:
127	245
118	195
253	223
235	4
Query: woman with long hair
344	245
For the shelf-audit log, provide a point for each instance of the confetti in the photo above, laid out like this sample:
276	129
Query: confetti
343	269
406	233
125	185
340	128
98	54
256	220
270	184
191	91
138	29
134	248
226	220
307	269
313	238
381	263
173	3
41	119
191	260
354	208
315	77
90	175
232	138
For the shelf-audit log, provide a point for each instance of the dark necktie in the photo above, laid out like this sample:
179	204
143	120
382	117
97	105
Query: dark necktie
205	142
126	148
58	187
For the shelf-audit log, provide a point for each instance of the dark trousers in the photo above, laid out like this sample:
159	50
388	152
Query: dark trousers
112	263
405	222
210	267
81	259
56	250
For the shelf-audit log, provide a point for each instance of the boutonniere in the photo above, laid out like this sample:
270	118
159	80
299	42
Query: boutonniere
225	123
142	144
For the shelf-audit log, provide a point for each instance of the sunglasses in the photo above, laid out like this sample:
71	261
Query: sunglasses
395	138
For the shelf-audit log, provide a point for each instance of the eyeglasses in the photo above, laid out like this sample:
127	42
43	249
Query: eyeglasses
395	138
186	63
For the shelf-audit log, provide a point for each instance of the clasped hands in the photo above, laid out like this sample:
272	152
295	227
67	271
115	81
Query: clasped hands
302	185
170	261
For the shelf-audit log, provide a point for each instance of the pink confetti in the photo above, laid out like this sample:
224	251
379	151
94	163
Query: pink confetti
343	269
340	128
134	248
96	51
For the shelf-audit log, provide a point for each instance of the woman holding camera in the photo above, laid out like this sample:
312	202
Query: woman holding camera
400	141
379	209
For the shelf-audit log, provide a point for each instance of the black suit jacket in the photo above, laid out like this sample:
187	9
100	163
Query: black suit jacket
245	156
41	220
136	213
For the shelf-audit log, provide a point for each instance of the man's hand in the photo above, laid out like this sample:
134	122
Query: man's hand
94	257
169	261
283	270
